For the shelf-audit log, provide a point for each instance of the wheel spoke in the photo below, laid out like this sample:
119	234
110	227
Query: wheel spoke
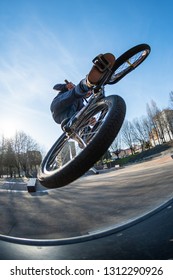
129	61
72	146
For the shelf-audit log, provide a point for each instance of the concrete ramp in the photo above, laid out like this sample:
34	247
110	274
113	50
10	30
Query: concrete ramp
120	214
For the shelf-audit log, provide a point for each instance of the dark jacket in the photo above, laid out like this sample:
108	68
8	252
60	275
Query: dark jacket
65	104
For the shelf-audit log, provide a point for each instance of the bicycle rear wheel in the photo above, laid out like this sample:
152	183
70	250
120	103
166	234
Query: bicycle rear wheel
69	158
128	61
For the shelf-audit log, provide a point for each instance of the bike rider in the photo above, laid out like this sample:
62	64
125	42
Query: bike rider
70	98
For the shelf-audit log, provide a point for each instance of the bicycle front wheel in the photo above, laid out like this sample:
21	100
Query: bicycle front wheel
70	157
128	61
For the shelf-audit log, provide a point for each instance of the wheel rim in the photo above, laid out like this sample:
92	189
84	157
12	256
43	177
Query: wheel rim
71	147
129	65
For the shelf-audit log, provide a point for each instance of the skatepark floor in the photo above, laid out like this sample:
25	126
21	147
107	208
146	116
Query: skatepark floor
91	204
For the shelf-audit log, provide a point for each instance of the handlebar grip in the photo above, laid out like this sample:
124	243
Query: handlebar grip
66	81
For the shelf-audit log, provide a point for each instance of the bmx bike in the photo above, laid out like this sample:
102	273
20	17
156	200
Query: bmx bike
83	143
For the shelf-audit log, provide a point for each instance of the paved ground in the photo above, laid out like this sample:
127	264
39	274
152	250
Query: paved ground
148	239
120	214
91	204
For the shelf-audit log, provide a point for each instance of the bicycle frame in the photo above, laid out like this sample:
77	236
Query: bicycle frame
75	121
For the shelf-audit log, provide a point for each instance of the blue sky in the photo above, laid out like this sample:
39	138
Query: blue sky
45	42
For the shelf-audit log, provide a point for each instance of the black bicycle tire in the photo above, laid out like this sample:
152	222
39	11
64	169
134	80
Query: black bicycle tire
127	55
97	147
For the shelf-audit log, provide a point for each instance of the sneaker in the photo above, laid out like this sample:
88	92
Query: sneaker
102	64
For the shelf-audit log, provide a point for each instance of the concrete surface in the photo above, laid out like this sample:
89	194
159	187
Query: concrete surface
90	204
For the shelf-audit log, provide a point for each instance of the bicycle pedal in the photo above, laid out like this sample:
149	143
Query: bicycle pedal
101	63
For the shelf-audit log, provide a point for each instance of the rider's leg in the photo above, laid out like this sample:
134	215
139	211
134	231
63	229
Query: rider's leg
103	63
68	103
82	88
65	99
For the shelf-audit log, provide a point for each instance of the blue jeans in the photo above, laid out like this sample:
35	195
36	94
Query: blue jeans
66	104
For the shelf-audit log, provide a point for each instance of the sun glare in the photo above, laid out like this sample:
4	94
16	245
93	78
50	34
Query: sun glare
8	128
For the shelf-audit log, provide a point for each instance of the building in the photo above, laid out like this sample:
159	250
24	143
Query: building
163	130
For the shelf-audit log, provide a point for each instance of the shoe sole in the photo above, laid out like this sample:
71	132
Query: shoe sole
96	74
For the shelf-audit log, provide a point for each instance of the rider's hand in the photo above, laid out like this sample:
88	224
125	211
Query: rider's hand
88	94
70	86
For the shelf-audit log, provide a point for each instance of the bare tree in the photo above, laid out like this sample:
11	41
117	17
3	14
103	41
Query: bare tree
10	159
128	135
7	158
169	116
116	146
171	99
153	114
147	126
34	159
140	134
25	147
166	120
2	155
19	155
